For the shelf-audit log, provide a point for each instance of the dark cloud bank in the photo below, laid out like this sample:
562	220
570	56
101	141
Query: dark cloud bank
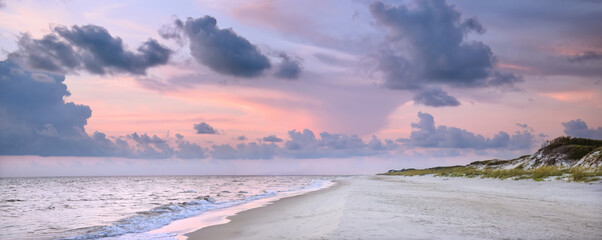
426	134
226	52
439	53
35	120
89	47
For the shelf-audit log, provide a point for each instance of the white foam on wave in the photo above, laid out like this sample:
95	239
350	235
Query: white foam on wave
161	216
178	229
141	226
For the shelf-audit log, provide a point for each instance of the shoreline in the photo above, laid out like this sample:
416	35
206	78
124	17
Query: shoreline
224	230
424	207
180	229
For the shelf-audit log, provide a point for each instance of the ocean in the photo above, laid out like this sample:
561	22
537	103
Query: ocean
114	207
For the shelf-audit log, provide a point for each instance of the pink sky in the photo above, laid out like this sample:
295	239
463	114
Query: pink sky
342	86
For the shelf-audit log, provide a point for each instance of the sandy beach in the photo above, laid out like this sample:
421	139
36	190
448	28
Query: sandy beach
426	207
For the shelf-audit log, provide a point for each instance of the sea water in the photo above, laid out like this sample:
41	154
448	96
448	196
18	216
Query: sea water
109	207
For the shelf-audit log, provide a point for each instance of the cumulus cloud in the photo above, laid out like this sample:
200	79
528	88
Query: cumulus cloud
245	151
222	50
150	147
438	52
34	113
426	134
188	150
289	68
578	128
272	138
435	97
305	145
89	47
35	120
204	128
333	145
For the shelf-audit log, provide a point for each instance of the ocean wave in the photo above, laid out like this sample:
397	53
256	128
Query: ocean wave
160	216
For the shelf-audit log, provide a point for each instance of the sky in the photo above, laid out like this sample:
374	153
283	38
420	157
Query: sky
291	87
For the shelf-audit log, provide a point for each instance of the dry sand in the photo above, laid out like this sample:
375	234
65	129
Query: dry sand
395	207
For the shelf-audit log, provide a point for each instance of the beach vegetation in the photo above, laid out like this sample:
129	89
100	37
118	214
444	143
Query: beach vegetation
537	174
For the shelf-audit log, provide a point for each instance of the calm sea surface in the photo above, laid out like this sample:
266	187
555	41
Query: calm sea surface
100	207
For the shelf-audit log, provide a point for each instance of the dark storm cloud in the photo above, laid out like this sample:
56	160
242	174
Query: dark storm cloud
435	97
88	47
204	128
272	138
35	120
438	52
48	53
578	128
426	134
222	50
34	113
289	67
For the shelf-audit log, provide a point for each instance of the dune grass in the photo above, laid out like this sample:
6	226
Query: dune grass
538	174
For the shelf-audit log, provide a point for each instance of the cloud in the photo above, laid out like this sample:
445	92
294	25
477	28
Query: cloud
222	50
188	150
575	31
289	68
305	145
435	97
332	145
204	128
438	52
426	134
150	147
89	47
578	128
241	138
585	57
272	138
35	120
245	151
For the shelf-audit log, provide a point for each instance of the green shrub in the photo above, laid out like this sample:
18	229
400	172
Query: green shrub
566	140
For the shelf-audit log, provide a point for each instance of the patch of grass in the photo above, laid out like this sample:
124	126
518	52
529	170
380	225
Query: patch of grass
585	175
538	174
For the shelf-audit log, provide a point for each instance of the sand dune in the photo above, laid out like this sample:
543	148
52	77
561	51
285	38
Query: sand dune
395	207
